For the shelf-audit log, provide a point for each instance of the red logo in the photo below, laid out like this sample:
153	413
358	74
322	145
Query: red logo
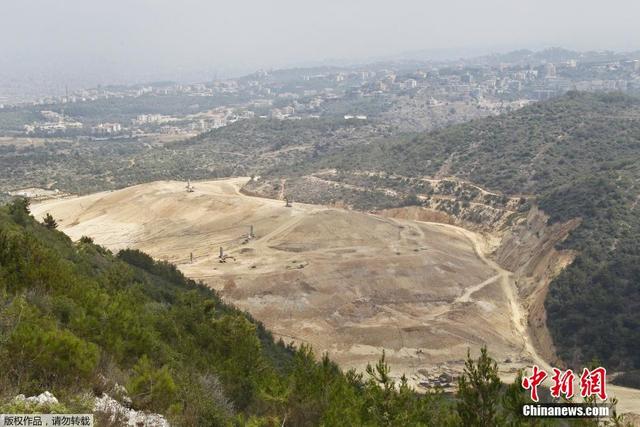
532	382
562	383
592	383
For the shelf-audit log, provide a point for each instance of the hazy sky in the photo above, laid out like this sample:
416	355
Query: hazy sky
184	39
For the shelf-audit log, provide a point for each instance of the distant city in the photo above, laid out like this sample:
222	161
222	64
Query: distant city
481	86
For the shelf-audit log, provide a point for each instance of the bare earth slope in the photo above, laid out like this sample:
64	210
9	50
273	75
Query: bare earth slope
348	283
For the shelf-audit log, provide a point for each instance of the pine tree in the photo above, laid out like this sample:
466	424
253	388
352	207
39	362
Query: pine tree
479	389
50	222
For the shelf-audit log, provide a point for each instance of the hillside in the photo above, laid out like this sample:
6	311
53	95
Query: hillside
577	157
345	282
81	322
77	320
240	149
75	317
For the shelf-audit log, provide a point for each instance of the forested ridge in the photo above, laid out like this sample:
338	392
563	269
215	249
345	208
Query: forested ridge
239	149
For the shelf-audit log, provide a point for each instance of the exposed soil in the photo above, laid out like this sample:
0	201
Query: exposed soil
349	283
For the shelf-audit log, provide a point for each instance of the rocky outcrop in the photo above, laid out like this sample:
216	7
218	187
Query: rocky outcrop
117	414
40	402
107	410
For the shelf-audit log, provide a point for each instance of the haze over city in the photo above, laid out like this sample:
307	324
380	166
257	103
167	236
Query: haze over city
79	43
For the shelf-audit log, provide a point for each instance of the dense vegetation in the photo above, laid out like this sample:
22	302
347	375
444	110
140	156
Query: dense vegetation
13	120
240	149
74	317
579	156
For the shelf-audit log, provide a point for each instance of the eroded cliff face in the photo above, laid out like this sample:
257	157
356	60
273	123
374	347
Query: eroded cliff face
529	250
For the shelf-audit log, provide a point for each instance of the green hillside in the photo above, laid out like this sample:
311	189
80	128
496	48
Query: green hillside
239	149
579	156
